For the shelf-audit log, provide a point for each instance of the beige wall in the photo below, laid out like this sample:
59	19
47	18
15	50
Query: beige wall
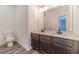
32	21
53	14
22	25
40	20
26	21
33	17
76	19
7	18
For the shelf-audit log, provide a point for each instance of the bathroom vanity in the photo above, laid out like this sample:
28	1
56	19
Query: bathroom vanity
49	42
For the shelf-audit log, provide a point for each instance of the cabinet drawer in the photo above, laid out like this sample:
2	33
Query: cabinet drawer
43	40
45	37
60	49
44	46
36	38
34	35
63	41
35	44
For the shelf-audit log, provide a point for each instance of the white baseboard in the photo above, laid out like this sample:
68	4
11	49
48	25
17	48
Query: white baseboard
28	49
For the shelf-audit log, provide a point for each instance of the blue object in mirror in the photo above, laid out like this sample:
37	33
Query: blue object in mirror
62	23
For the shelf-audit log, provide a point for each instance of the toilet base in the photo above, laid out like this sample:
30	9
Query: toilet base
9	44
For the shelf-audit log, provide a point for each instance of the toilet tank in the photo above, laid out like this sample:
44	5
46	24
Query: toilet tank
2	40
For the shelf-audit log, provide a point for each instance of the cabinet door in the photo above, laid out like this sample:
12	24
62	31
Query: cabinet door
63	41
35	44
44	46
60	49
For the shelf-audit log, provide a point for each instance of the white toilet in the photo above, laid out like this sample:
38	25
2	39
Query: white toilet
2	40
9	39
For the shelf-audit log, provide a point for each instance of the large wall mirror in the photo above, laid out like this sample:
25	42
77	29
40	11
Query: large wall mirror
53	15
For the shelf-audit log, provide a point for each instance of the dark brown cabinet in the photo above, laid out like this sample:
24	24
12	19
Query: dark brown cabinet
63	41
35	41
53	45
60	49
44	46
63	46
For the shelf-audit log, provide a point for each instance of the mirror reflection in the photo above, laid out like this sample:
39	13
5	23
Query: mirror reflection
52	17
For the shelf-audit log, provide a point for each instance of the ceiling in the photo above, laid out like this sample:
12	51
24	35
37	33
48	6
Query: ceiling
42	6
47	7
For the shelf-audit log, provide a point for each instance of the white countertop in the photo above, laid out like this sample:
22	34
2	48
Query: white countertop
67	35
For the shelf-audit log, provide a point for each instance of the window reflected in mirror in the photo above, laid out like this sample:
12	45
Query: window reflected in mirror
62	23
